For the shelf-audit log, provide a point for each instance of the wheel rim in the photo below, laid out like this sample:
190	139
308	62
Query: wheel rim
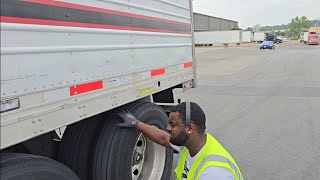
148	159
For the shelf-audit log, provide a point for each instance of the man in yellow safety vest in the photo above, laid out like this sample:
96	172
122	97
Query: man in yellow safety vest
203	157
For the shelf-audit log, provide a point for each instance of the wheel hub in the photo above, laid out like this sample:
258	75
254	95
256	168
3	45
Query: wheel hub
138	157
147	159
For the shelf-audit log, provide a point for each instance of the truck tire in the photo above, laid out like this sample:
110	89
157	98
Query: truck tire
76	146
124	153
15	166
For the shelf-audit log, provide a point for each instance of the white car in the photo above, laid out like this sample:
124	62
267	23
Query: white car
284	39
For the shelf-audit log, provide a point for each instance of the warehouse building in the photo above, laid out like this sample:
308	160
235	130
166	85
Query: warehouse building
204	22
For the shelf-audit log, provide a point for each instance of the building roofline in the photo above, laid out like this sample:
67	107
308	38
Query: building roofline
215	17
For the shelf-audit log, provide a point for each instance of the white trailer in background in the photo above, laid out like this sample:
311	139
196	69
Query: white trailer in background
259	37
305	37
217	37
67	68
247	37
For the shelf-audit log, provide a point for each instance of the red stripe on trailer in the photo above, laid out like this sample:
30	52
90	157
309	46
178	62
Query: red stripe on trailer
84	88
158	72
186	65
101	10
76	24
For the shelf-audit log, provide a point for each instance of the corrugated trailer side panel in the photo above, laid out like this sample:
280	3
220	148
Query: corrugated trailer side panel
59	57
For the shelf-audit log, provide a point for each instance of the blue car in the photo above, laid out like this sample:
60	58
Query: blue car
267	45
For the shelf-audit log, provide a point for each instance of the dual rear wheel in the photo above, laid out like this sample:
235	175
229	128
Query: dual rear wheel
97	149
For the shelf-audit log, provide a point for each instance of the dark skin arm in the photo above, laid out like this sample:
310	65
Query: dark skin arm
156	135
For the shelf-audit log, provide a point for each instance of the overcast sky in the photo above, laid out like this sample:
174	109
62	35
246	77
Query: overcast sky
264	12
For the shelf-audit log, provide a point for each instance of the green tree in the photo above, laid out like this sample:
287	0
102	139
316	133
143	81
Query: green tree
305	23
286	33
298	25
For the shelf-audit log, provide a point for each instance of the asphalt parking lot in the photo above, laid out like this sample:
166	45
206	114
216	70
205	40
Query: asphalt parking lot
263	106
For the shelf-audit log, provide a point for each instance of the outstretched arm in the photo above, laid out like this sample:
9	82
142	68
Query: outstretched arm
155	134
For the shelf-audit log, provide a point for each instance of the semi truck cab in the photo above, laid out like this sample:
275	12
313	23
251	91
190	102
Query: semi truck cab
313	39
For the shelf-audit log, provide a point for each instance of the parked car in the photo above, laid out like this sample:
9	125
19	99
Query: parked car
280	37
278	41
267	45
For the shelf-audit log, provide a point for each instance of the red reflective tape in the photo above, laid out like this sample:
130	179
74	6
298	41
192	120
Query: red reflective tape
186	65
158	72
84	25
84	88
101	10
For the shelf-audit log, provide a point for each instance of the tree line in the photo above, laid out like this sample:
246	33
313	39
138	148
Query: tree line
293	29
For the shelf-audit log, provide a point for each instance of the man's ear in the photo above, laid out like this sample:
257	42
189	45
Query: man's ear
191	128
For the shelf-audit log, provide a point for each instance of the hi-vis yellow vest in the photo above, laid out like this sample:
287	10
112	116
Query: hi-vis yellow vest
212	154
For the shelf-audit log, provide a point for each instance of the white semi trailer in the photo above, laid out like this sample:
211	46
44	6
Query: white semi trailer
306	37
303	37
247	37
218	37
67	68
259	37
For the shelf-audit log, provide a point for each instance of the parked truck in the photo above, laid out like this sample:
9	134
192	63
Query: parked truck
310	38
67	68
218	37
259	37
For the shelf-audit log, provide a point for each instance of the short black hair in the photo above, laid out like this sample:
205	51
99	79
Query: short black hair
198	117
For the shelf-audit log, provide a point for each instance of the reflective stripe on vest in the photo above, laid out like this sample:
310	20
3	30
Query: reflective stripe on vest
212	155
221	159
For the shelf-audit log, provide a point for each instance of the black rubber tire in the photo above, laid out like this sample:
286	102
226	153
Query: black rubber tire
15	166
76	146
115	146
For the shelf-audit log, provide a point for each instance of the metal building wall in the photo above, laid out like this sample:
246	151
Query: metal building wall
225	25
233	24
214	24
204	22
201	22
